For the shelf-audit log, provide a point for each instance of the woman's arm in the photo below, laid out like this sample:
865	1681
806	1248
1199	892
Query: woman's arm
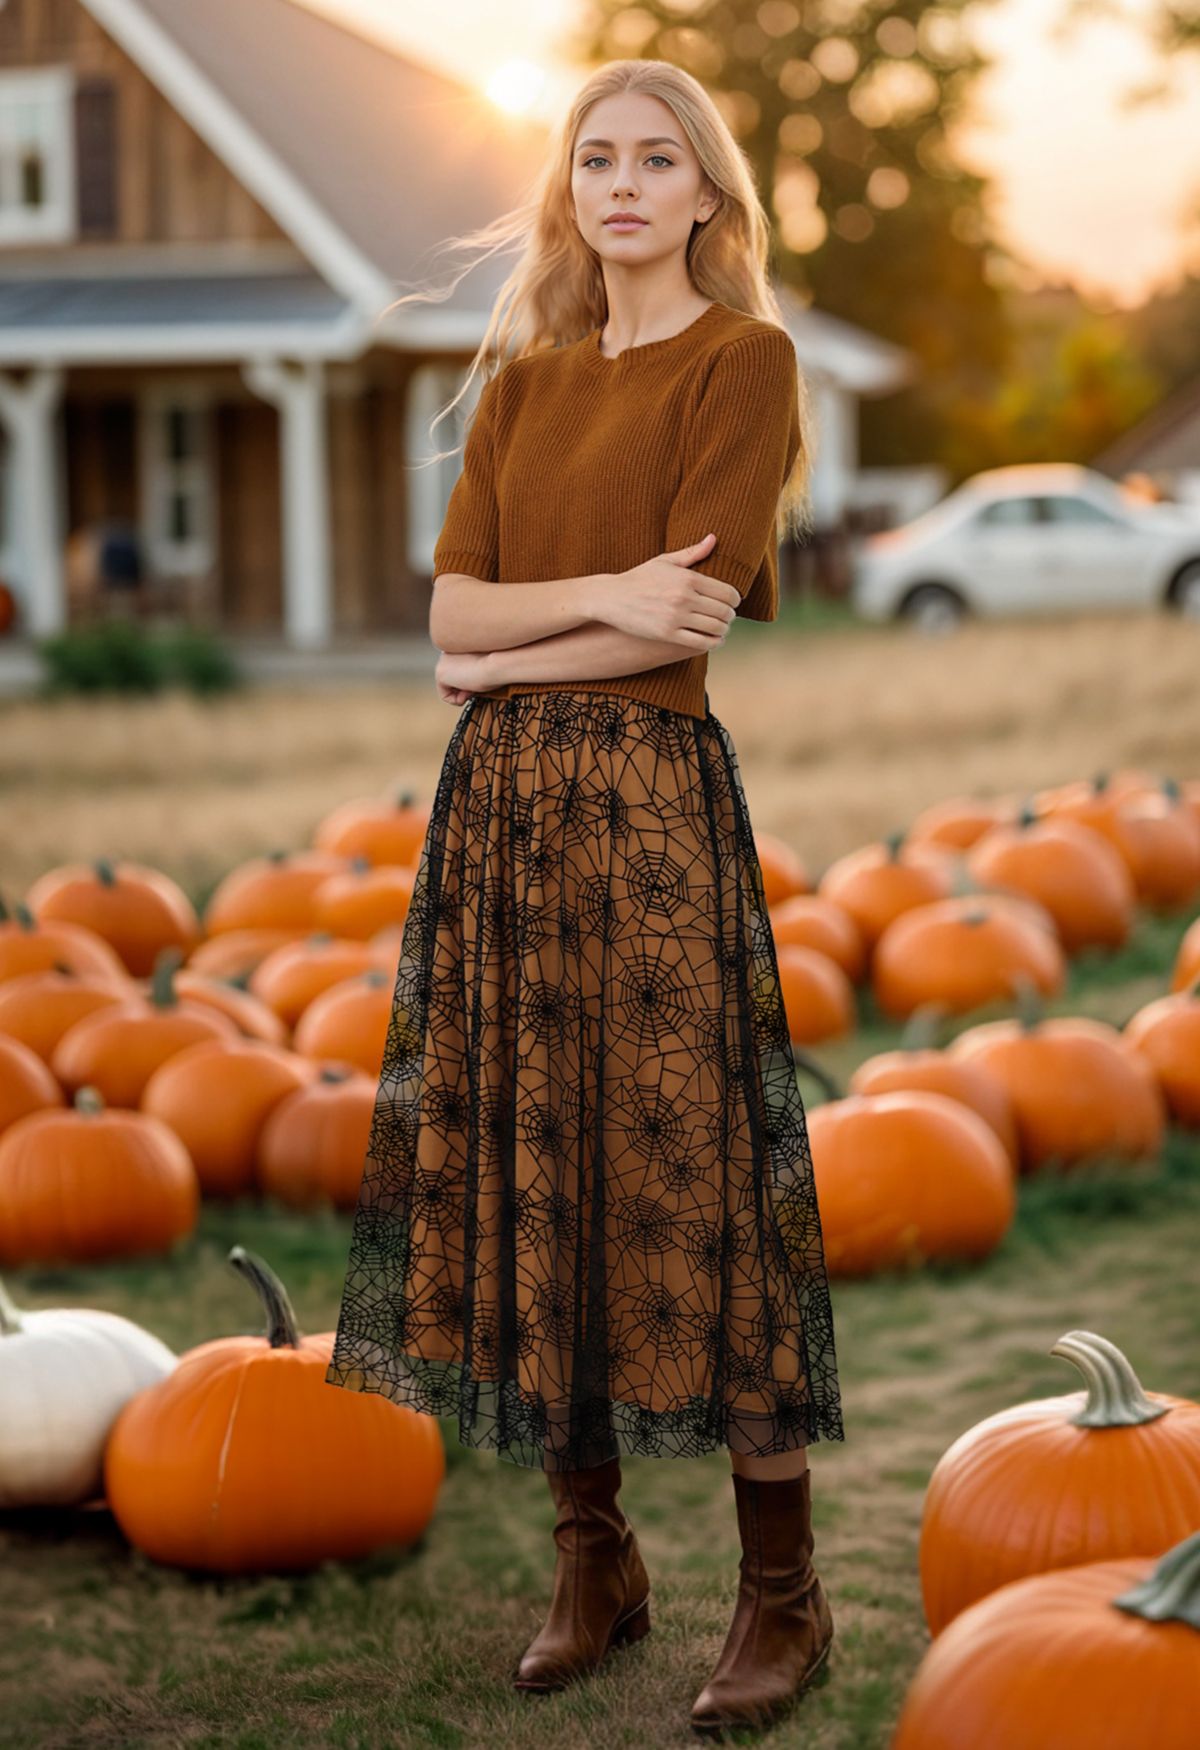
591	652
470	613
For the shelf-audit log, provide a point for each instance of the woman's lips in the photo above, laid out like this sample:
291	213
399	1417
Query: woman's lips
623	224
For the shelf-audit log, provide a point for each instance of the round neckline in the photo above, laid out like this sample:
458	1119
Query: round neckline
648	346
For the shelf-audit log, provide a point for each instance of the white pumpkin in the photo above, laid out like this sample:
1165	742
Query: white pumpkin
65	1373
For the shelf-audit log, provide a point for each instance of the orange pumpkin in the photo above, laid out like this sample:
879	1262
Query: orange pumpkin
26	1083
137	909
1094	800
904	1177
235	953
38	1007
957	822
363	900
86	1183
1159	837
960	953
879	882
387	829
250	1016
1078	1089
783	871
244	1460
289	979
314	1143
274	892
348	1023
1110	1470
1072	870
1167	1033
806	920
118	1049
216	1096
818	998
1104	1653
937	1073
27	944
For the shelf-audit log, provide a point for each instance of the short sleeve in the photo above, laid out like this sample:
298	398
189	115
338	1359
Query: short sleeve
741	444
470	536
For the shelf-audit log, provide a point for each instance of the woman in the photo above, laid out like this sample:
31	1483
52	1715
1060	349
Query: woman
587	1221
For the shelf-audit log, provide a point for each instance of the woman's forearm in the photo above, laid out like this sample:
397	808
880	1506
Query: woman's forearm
467	613
592	652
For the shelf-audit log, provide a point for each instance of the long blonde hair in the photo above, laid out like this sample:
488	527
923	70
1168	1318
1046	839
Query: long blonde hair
555	293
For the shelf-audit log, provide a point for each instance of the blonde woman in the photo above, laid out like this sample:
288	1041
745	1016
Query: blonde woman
587	1223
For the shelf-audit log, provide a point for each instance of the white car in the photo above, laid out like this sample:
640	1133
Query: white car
1037	537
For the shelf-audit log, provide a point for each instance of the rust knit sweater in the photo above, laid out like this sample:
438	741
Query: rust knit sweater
576	463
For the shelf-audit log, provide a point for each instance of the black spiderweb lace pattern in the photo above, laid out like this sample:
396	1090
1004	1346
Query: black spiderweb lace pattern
587	1223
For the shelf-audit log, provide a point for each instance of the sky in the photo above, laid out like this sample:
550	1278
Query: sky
1086	190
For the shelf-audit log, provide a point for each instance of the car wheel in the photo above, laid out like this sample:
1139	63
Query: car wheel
933	608
1187	591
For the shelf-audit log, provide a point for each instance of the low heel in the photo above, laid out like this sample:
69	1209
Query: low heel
632	1627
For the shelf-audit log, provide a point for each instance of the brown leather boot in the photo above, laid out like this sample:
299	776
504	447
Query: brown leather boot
778	1642
601	1587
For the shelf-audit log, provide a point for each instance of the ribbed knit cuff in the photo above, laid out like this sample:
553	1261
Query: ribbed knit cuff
458	559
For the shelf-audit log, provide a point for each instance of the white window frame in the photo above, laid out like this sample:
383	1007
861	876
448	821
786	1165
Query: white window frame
56	220
430	387
161	476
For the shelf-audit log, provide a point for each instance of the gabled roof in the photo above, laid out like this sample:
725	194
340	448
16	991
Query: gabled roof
367	159
842	352
1165	439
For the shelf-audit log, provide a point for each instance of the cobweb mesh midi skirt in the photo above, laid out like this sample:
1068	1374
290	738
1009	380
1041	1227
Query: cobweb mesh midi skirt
587	1224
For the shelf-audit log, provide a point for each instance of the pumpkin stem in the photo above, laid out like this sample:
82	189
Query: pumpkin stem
921	1028
10	1317
282	1331
818	1072
162	984
88	1100
104	872
1171	1590
1115	1398
1030	1005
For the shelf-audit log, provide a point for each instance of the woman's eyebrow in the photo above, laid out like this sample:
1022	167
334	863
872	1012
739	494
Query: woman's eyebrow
654	140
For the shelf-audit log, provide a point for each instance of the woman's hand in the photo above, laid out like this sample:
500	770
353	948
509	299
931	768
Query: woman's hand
661	598
459	673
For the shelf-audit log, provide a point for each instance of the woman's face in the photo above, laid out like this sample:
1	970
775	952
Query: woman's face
631	156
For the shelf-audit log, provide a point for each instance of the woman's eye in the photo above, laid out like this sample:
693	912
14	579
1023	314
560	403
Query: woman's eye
661	156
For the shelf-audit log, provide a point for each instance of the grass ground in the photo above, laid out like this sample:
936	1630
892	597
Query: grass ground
841	735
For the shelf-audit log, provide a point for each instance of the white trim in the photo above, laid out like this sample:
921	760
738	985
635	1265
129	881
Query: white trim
299	395
344	337
251	160
166	557
56	220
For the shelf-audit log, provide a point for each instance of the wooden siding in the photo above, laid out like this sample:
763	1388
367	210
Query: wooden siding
166	186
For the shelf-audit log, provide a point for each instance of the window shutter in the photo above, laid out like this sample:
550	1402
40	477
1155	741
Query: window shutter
96	157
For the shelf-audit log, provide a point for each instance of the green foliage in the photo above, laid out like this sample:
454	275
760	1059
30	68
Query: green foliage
120	656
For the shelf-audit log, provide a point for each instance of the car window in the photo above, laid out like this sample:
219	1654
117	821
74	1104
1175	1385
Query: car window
1008	513
1070	508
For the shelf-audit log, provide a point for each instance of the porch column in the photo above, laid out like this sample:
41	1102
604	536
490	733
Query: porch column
298	391
28	410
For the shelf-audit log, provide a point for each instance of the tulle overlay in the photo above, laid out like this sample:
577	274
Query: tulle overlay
587	1223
